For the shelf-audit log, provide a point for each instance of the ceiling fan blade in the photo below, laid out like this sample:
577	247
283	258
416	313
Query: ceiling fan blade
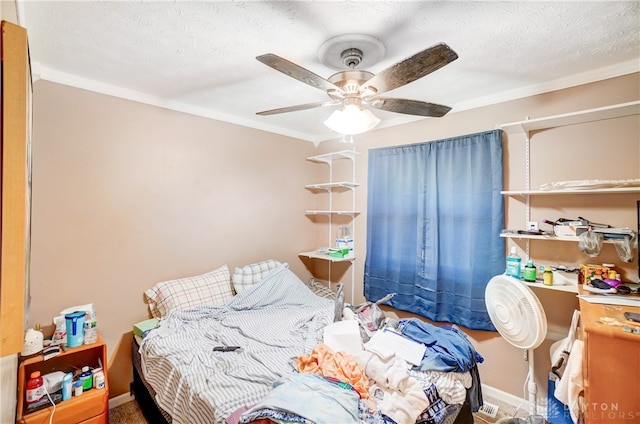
410	107
299	107
412	68
296	71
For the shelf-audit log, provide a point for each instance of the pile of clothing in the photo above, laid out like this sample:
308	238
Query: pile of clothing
376	385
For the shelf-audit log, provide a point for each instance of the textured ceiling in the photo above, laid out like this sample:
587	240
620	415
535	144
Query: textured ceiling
199	57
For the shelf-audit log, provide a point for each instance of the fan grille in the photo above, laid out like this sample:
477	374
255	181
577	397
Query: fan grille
516	312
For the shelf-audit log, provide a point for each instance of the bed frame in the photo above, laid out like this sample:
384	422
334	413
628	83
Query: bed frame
143	392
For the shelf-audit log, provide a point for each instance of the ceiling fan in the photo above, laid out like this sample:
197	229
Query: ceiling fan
359	88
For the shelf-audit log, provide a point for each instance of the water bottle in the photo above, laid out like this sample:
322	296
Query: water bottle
90	328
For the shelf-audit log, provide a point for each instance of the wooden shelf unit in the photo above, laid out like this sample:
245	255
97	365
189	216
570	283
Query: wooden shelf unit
92	407
333	188
529	128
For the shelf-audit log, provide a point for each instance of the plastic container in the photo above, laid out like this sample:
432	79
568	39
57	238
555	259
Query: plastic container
90	328
60	333
530	272
34	388
75	328
77	388
98	380
86	378
513	264
67	386
547	276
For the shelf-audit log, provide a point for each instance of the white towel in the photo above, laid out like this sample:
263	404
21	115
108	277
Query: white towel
571	384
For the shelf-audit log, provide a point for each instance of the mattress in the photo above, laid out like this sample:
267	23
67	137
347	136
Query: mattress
271	323
178	373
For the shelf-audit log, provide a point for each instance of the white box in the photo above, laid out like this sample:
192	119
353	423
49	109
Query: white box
345	243
569	230
53	381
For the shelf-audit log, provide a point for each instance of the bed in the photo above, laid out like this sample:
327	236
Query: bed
227	357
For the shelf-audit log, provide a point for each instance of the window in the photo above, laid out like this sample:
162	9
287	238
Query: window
434	216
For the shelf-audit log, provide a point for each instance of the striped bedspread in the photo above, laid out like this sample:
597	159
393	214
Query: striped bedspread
273	322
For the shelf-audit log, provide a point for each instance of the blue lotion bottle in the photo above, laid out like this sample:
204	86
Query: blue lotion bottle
67	382
513	264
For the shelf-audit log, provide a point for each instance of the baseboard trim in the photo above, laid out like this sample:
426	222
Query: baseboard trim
120	400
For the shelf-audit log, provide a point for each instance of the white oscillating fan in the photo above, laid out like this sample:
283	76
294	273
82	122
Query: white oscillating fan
518	316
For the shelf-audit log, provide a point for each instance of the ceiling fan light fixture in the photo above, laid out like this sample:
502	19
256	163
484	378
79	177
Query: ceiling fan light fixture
352	120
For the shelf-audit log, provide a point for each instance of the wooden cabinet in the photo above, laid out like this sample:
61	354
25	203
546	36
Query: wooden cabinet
92	407
611	369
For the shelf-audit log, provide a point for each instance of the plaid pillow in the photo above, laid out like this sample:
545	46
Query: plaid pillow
210	289
250	275
319	289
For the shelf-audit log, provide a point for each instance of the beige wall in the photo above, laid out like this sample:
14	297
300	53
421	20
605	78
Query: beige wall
125	195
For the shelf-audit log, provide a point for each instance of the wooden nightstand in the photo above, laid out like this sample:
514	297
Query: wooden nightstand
92	407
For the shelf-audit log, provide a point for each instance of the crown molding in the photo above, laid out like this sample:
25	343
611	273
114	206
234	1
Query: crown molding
48	74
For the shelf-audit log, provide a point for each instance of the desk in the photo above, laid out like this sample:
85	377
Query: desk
611	366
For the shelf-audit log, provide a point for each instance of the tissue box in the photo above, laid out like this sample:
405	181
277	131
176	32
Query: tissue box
144	326
344	243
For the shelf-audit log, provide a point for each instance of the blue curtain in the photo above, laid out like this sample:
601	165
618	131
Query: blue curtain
434	216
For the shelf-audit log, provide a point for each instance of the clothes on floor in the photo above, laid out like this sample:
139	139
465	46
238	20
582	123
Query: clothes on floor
400	397
448	350
296	392
452	386
339	365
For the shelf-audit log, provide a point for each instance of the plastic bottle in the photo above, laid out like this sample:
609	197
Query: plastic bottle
98	380
35	388
547	276
90	328
513	264
611	272
67	386
86	378
530	272
60	333
77	388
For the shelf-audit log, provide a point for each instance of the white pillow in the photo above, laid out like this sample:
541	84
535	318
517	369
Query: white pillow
210	289
250	275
